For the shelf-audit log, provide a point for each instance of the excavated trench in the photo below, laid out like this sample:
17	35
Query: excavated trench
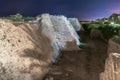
84	64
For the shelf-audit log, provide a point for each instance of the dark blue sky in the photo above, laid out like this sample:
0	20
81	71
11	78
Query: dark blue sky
82	9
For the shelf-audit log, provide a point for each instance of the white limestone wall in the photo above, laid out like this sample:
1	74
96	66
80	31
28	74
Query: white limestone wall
75	23
60	32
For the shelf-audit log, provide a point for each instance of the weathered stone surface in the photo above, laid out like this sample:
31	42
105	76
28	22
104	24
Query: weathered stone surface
112	68
112	64
60	32
75	23
65	33
46	27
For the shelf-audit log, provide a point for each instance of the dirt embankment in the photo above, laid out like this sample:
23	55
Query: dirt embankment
24	51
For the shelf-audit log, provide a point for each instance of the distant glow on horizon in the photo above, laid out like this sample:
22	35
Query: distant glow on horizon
115	11
82	9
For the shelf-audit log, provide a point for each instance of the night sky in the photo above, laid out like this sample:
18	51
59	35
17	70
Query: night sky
82	9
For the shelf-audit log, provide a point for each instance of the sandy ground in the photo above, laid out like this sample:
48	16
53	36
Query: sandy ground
84	64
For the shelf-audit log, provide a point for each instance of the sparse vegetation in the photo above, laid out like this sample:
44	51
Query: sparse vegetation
18	17
108	26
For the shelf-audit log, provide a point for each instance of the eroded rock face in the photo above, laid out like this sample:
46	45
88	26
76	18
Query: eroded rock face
60	32
64	32
112	64
112	68
75	23
27	49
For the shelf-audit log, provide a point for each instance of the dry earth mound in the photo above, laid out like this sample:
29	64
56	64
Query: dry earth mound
23	51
